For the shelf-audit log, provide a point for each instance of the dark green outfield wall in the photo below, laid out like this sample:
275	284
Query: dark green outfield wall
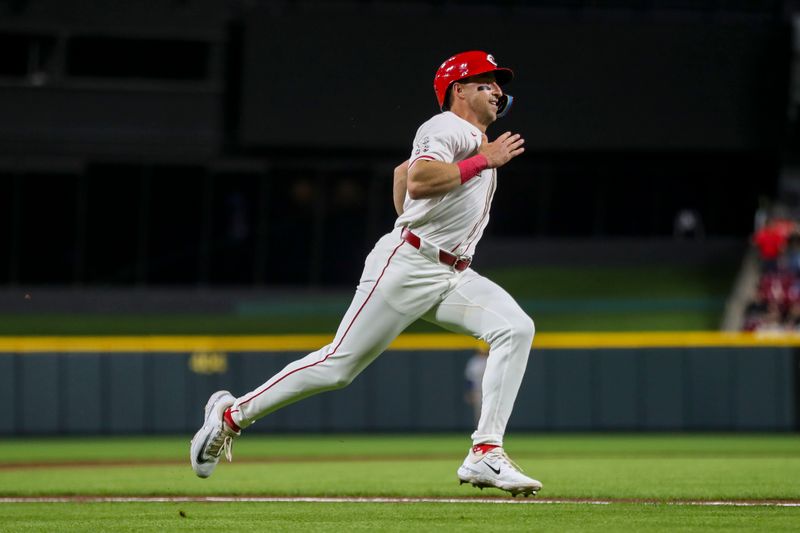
563	390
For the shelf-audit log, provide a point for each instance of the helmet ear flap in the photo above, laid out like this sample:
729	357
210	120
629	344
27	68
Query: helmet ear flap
504	105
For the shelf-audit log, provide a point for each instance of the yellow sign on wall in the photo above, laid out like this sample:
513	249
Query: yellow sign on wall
208	362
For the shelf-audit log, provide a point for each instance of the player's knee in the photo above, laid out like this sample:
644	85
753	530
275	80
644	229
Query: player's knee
342	382
531	325
522	326
342	378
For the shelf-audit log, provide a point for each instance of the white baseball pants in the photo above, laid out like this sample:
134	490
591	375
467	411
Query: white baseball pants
398	286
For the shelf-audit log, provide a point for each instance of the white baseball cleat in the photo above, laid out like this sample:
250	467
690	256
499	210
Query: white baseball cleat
215	437
495	469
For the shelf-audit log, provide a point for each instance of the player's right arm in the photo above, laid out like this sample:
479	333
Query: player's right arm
430	178
399	187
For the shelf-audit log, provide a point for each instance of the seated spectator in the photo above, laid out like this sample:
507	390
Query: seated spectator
792	320
771	241
771	321
776	302
752	315
774	288
791	256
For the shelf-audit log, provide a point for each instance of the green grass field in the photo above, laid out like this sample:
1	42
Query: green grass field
647	480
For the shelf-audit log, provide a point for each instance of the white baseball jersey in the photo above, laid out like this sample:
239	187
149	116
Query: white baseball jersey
454	221
400	284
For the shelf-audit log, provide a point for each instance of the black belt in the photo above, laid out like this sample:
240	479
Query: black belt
452	260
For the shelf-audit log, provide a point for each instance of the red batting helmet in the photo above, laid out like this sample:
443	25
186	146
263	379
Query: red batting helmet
464	65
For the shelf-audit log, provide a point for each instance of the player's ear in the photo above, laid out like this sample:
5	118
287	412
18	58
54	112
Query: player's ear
457	92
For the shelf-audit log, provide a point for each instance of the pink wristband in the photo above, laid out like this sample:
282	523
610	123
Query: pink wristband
472	166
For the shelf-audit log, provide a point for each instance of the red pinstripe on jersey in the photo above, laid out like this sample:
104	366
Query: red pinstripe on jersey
281	378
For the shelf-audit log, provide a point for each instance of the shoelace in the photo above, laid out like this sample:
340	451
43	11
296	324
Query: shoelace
500	454
222	442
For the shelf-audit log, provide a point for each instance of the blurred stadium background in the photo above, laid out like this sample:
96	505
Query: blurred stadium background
183	183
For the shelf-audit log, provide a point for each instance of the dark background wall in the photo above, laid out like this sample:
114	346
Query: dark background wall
334	77
656	389
195	141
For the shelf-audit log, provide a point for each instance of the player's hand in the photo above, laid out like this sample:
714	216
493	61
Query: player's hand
501	150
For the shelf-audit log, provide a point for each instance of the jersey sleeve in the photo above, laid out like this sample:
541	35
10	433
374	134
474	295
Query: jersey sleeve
435	141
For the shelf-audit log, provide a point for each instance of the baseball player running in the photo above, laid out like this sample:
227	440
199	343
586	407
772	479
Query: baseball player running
421	269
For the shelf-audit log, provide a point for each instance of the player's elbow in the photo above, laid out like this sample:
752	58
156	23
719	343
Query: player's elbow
415	190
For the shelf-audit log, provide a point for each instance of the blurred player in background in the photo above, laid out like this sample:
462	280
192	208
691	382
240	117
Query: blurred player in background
421	269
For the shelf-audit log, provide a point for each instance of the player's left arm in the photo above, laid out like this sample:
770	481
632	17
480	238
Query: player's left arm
400	185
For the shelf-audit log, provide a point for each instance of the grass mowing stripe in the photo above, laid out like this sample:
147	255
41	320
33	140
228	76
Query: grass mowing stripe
337	446
337	517
597	467
627	478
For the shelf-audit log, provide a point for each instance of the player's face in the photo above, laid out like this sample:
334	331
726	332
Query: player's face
482	95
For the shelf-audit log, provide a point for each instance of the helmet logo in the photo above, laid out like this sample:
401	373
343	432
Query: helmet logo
490	59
